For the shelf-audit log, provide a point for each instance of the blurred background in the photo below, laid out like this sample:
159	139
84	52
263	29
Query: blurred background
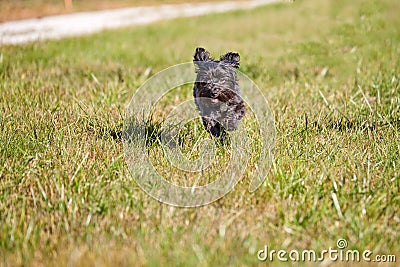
25	9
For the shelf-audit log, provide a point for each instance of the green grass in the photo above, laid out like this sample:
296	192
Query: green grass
330	71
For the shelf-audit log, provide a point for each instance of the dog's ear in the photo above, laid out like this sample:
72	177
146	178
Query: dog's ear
201	55
231	59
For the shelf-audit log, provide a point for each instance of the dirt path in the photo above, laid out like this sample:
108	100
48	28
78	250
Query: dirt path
54	27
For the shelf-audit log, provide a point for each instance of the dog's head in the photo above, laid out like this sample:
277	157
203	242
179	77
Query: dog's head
216	79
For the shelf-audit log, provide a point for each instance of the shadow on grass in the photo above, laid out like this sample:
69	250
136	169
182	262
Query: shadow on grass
155	132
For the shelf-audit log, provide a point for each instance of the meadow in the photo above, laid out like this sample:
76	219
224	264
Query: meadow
330	72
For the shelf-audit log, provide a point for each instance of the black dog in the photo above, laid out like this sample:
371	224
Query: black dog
216	92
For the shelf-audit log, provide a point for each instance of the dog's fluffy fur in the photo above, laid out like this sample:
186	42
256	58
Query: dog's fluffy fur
216	92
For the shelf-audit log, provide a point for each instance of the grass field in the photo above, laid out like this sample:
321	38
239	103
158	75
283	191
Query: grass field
330	71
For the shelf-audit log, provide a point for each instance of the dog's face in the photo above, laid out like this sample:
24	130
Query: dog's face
216	79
